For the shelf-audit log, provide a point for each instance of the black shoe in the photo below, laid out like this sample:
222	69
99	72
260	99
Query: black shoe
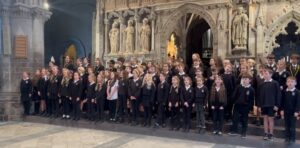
243	136
266	136
270	137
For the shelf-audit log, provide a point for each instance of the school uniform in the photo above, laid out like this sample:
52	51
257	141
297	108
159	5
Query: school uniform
100	98
174	98
187	95
290	105
26	93
201	98
281	77
75	94
98	69
181	76
91	96
65	97
243	103
36	99
53	90
269	100
70	67
162	95
134	89
123	97
230	84
147	96
218	114
272	67
42	90
112	101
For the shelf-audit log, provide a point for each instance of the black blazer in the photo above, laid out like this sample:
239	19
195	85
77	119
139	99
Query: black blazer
187	95
148	95
76	89
26	89
163	92
42	87
134	88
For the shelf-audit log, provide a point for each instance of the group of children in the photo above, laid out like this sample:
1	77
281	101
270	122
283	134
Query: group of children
130	90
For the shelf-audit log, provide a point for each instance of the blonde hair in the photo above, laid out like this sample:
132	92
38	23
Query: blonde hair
148	78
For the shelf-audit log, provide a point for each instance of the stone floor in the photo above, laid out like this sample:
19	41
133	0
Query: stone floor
37	135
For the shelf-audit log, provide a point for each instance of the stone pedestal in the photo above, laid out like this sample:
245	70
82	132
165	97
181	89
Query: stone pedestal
10	106
241	51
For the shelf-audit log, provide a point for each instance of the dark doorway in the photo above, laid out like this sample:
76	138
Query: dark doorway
289	43
199	40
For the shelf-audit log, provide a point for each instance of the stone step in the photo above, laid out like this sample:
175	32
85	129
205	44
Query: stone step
252	129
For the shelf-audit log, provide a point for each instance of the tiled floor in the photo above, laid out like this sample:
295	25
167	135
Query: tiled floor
36	135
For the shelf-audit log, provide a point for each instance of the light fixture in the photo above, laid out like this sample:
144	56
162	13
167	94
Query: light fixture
46	6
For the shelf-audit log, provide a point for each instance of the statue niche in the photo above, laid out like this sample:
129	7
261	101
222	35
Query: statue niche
114	37
145	36
240	30
129	37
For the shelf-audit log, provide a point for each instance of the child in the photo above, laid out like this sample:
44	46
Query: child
147	96
258	80
123	95
75	94
201	98
65	93
90	97
291	107
35	97
174	98
53	90
269	102
181	74
112	95
100	96
134	90
163	89
218	100
42	91
187	99
26	92
243	103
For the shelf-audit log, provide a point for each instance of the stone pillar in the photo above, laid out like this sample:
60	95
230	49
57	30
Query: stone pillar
106	23
122	27
137	32
152	32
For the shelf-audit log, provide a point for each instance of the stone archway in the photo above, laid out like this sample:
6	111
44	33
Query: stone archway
178	13
278	27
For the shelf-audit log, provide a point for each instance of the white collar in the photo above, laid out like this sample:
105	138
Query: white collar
280	72
163	82
217	88
268	80
135	79
188	87
26	79
181	73
92	83
200	86
248	86
291	90
75	81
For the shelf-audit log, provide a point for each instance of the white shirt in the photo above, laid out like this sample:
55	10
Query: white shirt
114	96
291	90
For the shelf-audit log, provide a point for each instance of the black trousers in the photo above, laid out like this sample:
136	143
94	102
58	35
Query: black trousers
26	107
187	116
66	105
290	126
147	114
135	110
240	113
37	105
100	108
122	106
174	113
76	109
161	113
91	112
218	119
112	105
48	106
54	101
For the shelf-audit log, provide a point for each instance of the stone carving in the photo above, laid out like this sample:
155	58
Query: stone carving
240	29
114	37
145	36
129	37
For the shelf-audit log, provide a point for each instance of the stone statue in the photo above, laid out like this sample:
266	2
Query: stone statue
145	36
114	37
129	37
240	29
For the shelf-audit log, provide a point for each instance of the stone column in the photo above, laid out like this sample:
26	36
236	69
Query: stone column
152	17
229	20
137	32
6	34
106	23
122	27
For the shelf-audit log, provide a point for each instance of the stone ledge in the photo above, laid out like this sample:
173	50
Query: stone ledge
10	106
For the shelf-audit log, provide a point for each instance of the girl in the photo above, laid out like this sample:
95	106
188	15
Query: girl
65	93
112	95
75	94
26	92
187	99
90	97
134	91
123	94
35	97
100	96
174	98
42	91
148	94
218	100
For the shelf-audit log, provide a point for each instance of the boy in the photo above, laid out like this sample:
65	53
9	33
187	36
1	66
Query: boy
291	107
187	99
243	103
201	98
26	92
270	96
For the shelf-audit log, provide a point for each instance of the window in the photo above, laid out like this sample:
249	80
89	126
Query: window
21	46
